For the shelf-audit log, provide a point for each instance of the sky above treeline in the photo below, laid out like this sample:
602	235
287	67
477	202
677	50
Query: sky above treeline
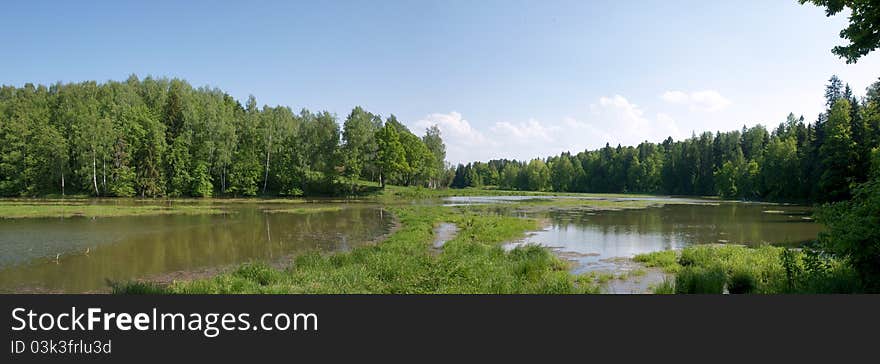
502	79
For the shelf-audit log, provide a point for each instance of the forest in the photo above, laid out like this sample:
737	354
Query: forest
795	161
164	138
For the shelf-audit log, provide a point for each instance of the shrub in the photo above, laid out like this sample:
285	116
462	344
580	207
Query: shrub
853	232
694	279
742	281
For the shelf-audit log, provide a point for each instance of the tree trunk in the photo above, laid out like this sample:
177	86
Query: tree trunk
266	175
95	172
223	180
62	181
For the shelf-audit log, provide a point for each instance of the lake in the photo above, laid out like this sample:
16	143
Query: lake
596	239
92	251
82	254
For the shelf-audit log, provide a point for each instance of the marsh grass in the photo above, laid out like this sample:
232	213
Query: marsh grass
137	288
638	272
665	259
473	262
700	280
600	277
665	287
19	209
741	269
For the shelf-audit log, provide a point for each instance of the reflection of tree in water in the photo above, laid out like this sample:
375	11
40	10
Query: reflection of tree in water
202	242
696	224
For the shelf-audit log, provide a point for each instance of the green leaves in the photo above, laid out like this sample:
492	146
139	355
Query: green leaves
391	159
853	232
837	153
863	31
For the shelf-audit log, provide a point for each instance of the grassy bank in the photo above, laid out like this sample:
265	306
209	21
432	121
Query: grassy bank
82	205
58	209
472	262
740	269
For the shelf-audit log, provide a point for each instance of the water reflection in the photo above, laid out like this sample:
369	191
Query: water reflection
89	252
596	238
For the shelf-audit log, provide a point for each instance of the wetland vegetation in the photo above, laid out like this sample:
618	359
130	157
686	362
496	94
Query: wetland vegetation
88	148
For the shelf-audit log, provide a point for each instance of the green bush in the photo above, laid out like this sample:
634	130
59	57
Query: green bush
742	281
853	232
692	279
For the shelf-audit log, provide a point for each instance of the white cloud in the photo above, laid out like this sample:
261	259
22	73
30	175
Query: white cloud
463	141
613	119
454	126
675	97
528	131
706	100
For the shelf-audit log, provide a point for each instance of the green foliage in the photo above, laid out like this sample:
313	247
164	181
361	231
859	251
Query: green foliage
123	182
562	174
781	164
161	137
202	186
837	154
726	178
435	145
472	262
742	280
73	207
391	159
766	269
665	287
692	280
863	31
665	259
853	232
359	147
537	175
259	273
137	288
796	161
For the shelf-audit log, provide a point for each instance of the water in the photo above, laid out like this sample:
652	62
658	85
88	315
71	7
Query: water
597	239
478	200
92	251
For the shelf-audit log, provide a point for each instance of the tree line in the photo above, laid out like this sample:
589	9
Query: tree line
797	160
162	137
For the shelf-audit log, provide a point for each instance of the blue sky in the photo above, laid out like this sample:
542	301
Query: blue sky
502	79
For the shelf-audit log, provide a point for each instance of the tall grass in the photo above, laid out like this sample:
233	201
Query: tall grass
741	269
473	262
34	209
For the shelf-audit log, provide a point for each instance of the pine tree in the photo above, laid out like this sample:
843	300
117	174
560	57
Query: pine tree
837	154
